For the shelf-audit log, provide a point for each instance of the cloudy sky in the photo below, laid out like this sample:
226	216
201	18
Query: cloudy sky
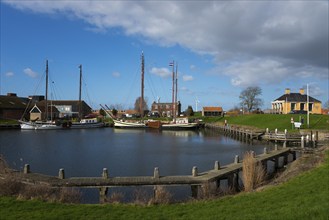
221	48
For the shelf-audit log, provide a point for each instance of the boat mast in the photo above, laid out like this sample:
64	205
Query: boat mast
173	87
175	103
46	108
80	91
141	104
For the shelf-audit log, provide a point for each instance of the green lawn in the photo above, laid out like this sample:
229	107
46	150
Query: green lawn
303	197
281	122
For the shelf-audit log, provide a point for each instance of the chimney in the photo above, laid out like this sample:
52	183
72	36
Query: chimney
302	91
287	91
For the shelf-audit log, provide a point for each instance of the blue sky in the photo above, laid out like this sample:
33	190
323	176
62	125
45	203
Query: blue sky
221	48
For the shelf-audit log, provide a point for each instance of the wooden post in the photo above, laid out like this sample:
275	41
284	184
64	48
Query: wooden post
102	194
276	163
264	164
267	130
27	168
284	144
276	146
236	181
236	159
105	173
285	159
314	141
302	144
156	174
294	157
195	190
217	165
265	150
61	174
194	171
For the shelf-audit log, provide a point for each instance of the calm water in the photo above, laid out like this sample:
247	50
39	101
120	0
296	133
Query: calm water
123	152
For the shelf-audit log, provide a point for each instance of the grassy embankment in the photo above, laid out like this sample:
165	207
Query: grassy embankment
303	197
271	121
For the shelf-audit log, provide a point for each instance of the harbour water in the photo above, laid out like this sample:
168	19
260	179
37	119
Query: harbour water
85	152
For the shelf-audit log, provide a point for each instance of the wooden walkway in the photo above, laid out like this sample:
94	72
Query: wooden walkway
214	175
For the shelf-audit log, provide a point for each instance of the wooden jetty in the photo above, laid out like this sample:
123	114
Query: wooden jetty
237	132
243	134
228	172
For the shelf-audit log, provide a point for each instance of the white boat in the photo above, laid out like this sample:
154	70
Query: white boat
42	125
127	124
38	125
177	123
87	123
180	123
131	124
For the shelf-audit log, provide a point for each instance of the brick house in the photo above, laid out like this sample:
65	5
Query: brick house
165	109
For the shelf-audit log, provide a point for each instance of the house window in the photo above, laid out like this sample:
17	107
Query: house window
293	106
302	106
310	107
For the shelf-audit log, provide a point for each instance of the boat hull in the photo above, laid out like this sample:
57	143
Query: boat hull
184	126
87	125
123	124
39	126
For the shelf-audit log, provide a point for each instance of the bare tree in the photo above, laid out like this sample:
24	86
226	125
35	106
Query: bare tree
249	98
137	104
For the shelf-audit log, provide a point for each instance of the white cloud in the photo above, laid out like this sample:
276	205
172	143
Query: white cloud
116	74
30	72
9	74
188	78
162	72
281	35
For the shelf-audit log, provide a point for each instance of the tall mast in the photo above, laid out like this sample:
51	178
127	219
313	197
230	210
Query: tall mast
175	103
141	104
173	87
46	108
80	91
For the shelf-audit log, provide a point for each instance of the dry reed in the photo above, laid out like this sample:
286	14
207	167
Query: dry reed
253	172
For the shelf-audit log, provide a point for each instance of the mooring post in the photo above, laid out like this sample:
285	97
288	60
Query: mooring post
61	174
156	174
105	173
266	130
236	159
265	150
314	141
102	194
284	144
302	144
276	163
276	131
27	168
236	181
194	190
194	171
276	146
217	165
285	159
307	140
285	134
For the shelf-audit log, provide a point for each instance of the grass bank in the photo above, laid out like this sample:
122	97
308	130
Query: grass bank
302	197
273	121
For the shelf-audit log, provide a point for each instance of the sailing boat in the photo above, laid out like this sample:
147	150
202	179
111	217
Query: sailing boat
177	123
126	124
85	122
44	124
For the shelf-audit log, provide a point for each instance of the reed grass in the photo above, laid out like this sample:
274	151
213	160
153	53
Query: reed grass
253	173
